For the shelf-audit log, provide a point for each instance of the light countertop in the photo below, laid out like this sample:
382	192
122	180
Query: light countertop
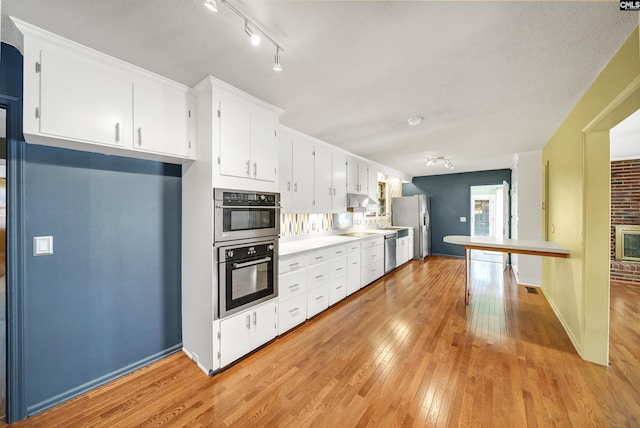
302	245
509	245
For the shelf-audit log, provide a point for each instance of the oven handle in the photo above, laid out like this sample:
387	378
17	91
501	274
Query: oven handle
251	207
255	262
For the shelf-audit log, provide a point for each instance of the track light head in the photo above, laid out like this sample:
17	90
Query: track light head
276	61
255	37
211	5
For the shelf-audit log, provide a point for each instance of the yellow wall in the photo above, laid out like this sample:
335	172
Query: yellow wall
578	203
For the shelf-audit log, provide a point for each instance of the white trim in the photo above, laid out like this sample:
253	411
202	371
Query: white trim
192	358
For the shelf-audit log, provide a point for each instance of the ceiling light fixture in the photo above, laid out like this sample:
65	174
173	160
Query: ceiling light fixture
252	29
276	60
255	37
447	162
211	5
415	120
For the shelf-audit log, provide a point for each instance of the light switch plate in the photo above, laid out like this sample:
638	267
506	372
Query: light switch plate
463	219
42	245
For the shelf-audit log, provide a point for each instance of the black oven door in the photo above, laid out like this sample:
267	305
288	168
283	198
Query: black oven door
247	276
243	222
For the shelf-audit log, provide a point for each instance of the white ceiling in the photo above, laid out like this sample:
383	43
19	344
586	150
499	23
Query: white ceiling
490	78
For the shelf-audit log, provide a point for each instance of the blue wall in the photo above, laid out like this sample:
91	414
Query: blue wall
451	199
108	300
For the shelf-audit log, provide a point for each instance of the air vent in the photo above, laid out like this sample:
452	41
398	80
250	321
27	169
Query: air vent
531	290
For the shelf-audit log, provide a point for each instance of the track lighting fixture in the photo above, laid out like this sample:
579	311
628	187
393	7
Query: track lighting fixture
276	60
211	5
252	29
447	162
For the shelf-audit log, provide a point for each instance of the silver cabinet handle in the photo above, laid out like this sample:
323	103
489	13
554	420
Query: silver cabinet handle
255	262
255	318
319	297
334	191
338	288
255	169
293	264
319	257
330	191
338	269
248	163
319	276
291	311
248	321
139	136
294	286
295	187
354	263
117	132
288	185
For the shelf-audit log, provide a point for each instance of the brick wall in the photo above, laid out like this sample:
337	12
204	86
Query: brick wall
625	209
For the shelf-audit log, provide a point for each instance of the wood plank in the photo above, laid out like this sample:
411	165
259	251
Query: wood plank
405	351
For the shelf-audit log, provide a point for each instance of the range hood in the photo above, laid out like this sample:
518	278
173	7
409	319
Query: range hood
357	203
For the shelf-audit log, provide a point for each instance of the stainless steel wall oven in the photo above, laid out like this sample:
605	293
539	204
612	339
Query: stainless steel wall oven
246	229
245	215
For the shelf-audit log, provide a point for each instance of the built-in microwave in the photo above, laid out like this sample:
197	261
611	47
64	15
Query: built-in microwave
247	274
242	214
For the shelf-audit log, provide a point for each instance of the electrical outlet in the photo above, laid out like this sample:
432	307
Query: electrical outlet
463	219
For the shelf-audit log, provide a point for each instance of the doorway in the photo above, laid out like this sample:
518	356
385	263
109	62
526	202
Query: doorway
487	218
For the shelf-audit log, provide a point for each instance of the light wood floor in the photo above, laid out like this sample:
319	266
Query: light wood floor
405	351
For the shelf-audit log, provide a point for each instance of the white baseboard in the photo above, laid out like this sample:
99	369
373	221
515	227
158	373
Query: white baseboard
193	358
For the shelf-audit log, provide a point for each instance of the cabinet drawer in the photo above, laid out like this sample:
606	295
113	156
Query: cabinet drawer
338	267
291	263
337	290
317	275
338	251
373	242
317	300
353	246
371	272
292	284
319	256
371	255
292	312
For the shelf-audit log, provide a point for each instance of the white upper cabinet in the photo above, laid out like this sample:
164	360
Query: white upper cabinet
357	176
264	144
235	135
248	146
303	174
372	186
323	178
285	161
81	100
78	98
160	117
339	199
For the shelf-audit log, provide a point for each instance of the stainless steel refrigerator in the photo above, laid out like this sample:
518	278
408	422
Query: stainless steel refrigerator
413	211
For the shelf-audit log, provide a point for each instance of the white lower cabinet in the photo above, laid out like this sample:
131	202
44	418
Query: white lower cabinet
402	250
246	331
292	312
317	299
353	273
292	292
371	260
337	290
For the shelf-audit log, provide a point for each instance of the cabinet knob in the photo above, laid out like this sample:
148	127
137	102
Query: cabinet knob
117	132
139	136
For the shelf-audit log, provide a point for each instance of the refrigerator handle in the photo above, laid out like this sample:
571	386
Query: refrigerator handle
424	219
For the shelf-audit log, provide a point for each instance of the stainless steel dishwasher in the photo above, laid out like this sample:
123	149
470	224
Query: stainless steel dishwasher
390	252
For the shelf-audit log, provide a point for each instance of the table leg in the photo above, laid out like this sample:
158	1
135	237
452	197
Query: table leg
467	274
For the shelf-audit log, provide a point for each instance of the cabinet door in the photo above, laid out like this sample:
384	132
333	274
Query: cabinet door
317	300
235	136
264	144
337	290
81	99
372	186
303	187
160	118
353	272
292	312
352	175
339	171
410	247
323	184
285	162
363	177
400	250
235	337
265	324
